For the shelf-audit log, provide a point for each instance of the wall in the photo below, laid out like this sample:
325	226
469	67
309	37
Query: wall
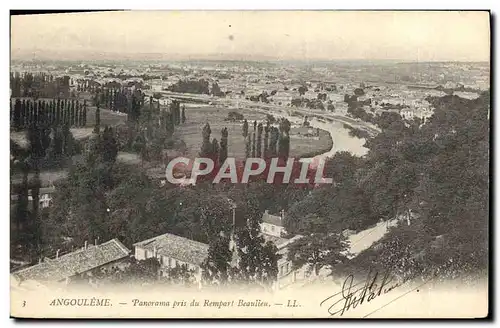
271	229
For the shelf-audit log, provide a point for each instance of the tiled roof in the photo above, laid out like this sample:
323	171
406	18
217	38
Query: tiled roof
176	247
272	219
76	262
278	241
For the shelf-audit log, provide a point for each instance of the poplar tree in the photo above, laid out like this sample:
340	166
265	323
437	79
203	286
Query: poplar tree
223	145
22	116
97	126
284	139
258	148
78	115
273	143
206	146
73	113
266	140
253	144
245	128
84	113
215	149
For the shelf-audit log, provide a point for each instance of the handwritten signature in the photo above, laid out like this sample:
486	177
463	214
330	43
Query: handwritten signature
352	295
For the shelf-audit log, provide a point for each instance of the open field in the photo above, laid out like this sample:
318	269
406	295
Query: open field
197	117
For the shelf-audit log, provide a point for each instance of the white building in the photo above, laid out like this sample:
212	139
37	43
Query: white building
272	230
272	224
173	251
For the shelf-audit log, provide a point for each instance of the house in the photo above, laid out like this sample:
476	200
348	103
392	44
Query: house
272	224
84	262
273	230
45	196
172	251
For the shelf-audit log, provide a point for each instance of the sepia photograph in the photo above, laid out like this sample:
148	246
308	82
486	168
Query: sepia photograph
250	164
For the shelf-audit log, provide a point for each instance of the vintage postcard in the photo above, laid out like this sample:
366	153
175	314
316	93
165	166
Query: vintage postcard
250	164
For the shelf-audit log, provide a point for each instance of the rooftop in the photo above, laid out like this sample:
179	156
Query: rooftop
177	247
278	241
272	219
76	262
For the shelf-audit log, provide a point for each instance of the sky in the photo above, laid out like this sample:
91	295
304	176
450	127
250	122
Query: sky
254	35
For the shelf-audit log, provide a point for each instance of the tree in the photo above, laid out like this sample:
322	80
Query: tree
216	267
97	126
180	274
69	141
22	212
317	251
215	147
266	140
273	143
206	146
359	92
183	114
141	272
302	90
73	113
247	146
17	114
109	146
22	115
223	146
34	226
258	260
245	128
84	113
78	114
253	144
284	139
216	90
258	150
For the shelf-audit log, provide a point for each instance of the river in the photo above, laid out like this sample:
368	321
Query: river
342	141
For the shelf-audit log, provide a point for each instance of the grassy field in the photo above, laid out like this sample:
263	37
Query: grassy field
197	117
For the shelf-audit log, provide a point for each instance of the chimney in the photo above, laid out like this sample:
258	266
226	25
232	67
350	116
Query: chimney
282	215
154	251
86	244
57	254
266	212
95	241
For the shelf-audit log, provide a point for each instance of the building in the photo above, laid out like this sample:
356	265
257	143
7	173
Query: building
273	224
172	251
45	196
273	230
83	262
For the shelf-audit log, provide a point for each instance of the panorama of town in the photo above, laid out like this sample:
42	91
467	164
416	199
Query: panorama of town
405	143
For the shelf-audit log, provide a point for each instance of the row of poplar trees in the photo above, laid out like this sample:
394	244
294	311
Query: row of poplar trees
276	141
43	85
52	113
213	149
120	99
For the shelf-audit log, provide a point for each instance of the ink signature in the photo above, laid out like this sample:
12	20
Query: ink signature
355	294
